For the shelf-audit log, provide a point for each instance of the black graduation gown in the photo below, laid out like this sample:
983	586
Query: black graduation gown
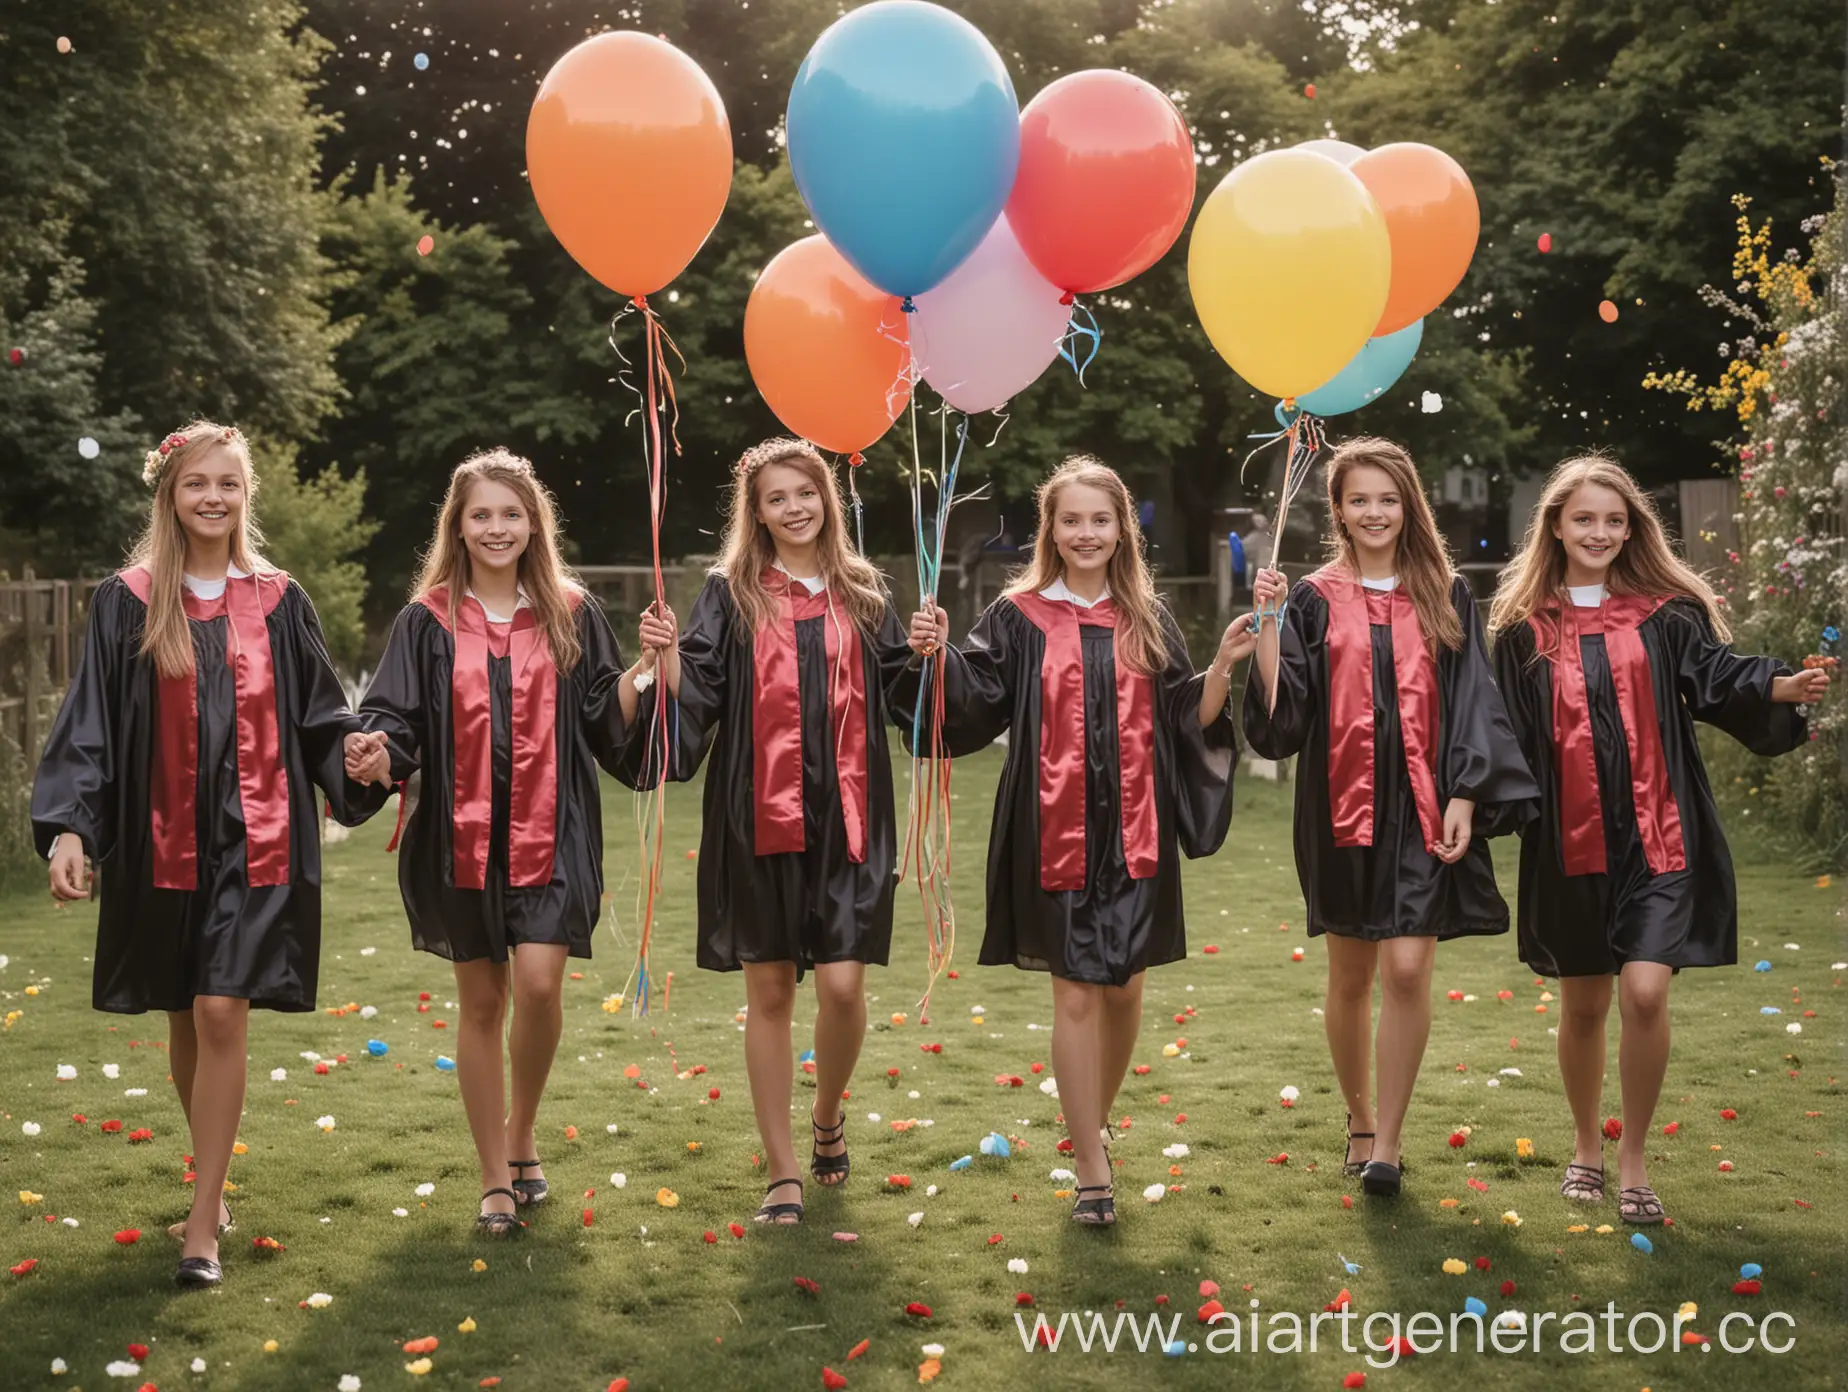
412	699
157	948
1395	887
1590	925
813	905
1115	926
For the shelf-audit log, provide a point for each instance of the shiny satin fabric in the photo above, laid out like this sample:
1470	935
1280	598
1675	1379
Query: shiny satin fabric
1394	886
1117	922
776	718
817	904
1658	820
1353	612
527	805
110	760
1061	748
1592	924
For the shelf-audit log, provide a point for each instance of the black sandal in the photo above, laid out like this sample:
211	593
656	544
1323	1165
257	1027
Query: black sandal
1584	1186
1349	1166
1642	1210
198	1272
528	1191
774	1213
498	1224
825	1167
1095	1213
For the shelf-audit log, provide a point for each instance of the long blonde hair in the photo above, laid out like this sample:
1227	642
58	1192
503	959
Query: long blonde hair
551	586
1423	561
747	549
1132	588
1644	565
161	547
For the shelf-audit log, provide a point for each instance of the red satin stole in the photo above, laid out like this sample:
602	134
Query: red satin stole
532	822
1352	610
776	719
262	781
1061	751
1581	817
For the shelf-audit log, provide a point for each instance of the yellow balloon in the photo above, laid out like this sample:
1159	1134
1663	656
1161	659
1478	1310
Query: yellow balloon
1290	263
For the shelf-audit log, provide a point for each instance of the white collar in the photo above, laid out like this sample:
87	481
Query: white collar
1586	596
814	584
1391	582
1058	589
520	602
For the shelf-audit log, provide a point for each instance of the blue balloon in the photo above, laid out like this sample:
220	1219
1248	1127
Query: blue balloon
1475	1306
1750	1270
1369	373
421	61
378	1048
904	135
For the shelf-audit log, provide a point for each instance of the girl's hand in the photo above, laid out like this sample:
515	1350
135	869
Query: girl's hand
1805	688
659	629
1239	642
1458	817
1269	589
930	630
69	879
367	758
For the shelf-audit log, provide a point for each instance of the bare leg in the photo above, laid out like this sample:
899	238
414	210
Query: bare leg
770	1000
840	1030
1405	1026
1077	1063
538	971
1642	1061
1585	1005
1347	1020
482	987
182	1056
222	1025
1122	1023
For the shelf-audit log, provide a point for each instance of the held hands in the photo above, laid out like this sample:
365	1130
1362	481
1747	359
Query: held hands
1458	816
1805	688
367	759
1269	589
70	877
930	630
660	633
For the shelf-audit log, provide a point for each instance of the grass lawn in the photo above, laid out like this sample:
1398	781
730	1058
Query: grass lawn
607	1283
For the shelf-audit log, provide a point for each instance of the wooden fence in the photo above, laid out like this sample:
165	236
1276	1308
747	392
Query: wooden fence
41	630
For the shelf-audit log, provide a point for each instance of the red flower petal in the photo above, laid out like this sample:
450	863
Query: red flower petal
25	1268
1208	1310
1507	1288
1354	1380
1482	1263
138	1352
1022	1298
858	1349
1747	1287
1209	1289
1613	1128
736	1229
918	1308
832	1380
128	1237
711	1236
803	1283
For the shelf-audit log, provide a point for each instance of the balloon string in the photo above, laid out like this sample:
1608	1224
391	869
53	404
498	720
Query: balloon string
1074	332
854	461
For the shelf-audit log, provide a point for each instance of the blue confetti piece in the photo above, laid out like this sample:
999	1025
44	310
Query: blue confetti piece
995	1144
445	1064
1761	966
1641	1243
1175	1349
963	1163
421	61
1475	1306
807	1056
1769	1010
378	1048
1750	1271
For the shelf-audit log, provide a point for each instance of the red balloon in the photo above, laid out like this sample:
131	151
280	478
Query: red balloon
1106	180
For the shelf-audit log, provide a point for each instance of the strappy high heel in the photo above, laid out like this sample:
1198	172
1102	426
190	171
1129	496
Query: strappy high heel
776	1213
1350	1166
1095	1213
528	1191
498	1224
824	1168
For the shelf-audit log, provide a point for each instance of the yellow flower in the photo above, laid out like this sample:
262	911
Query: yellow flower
467	1326
1454	1266
270	1345
1523	1147
26	1196
1688	1309
898	1017
479	1265
419	1367
1604	1228
239	1148
31	990
1511	1218
1579	1227
667	1198
1170	1050
612	1004
1446	1203
693	1147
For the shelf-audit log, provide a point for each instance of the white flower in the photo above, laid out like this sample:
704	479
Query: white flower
348	1382
1511	1073
1511	1319
1492	1082
1289	1094
368	1012
1793	1028
326	1123
872	1117
198	1365
134	1092
933	1350
611	1128
320	1300
279	1075
123	1368
112	1070
930	1192
31	1128
915	1218
311	1055
66	1071
1431	403
914	1094
423	1191
1049	1086
3	961
619	1180
68	1222
59	1367
1017	1265
363	952
1154	1192
978	1010
401	1213
1177	1151
1061	1175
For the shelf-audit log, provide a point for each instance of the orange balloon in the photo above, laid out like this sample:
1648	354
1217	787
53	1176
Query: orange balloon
1433	220
630	157
827	349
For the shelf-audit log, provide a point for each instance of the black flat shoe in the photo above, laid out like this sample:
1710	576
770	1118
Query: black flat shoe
528	1191
825	1168
498	1224
779	1214
198	1272
1095	1213
1380	1179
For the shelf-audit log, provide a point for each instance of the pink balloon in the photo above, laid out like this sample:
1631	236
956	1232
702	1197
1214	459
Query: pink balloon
989	330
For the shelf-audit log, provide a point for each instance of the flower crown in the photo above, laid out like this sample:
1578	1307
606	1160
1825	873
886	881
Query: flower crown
156	459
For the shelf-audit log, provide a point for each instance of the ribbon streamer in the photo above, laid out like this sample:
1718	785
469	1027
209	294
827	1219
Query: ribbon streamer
1074	332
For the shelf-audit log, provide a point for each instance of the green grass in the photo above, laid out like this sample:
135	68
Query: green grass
570	1307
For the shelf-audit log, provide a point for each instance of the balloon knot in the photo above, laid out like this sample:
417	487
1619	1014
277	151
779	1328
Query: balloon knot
908	306
856	459
640	301
1067	298
1289	403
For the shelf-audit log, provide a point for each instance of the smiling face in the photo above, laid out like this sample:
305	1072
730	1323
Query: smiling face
1372	514
210	495
1592	527
790	506
1085	529
496	526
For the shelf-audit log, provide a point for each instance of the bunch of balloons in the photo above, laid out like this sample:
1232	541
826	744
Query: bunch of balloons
955	229
1312	268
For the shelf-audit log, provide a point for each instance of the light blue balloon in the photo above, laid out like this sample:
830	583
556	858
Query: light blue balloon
1761	966
378	1048
962	1164
421	61
1769	1010
1475	1306
445	1064
1641	1243
1174	1349
1368	374
904	135
995	1144
1750	1270
806	1056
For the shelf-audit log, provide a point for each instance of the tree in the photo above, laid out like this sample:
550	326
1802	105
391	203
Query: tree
315	528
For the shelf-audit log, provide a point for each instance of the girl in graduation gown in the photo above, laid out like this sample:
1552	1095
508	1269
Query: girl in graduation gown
1378	675
781	675
203	714
1608	648
1119	757
503	684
